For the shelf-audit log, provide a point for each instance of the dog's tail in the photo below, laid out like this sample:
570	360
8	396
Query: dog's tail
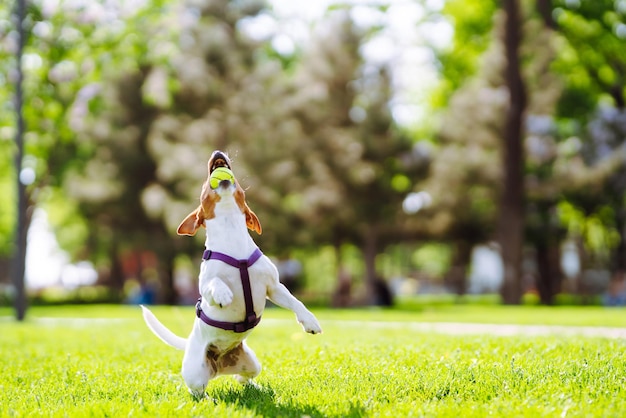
161	331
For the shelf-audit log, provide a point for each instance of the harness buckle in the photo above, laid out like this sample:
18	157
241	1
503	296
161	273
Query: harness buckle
198	308
240	327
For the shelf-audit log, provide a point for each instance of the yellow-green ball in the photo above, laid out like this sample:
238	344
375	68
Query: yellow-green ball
219	174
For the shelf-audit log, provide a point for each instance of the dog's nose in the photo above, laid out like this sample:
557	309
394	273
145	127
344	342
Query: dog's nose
225	184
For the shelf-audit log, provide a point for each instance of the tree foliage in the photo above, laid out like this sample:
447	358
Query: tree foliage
570	66
132	103
125	102
69	48
473	22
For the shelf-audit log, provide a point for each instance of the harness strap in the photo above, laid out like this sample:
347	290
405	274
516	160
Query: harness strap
251	320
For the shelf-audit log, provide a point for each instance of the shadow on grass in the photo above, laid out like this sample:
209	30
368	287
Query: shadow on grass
261	400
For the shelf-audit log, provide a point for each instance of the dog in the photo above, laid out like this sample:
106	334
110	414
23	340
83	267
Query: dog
229	307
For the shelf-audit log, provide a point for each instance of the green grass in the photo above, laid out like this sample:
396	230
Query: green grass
55	365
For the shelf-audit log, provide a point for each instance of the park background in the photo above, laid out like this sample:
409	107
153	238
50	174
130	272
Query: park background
411	147
463	159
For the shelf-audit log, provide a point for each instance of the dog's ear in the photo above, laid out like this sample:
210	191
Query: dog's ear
191	224
252	221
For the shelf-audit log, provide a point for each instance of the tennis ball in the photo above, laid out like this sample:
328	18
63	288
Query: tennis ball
219	174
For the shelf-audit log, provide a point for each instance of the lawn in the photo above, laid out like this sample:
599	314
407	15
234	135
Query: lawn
102	361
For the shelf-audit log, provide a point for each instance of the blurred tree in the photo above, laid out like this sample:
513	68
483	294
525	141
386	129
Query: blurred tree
596	32
8	46
69	49
510	227
543	231
464	177
357	165
592	108
317	152
57	62
573	147
144	137
472	21
469	139
157	129
151	94
569	84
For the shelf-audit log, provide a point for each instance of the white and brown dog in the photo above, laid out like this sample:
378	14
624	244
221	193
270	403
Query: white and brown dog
235	280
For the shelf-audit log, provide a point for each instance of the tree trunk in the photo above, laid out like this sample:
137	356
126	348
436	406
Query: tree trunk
26	207
370	251
546	238
457	275
511	222
544	7
341	297
338	257
5	269
549	272
116	277
170	295
21	228
619	254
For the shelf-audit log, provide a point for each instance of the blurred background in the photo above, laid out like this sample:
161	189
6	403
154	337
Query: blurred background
391	149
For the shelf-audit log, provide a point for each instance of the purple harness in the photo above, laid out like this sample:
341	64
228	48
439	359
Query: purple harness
251	319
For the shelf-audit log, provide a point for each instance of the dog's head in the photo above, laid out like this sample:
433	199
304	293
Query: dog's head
209	198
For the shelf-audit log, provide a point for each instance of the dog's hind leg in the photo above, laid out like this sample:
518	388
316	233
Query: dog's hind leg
242	362
198	367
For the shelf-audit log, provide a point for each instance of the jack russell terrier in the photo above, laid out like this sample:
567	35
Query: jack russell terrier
235	280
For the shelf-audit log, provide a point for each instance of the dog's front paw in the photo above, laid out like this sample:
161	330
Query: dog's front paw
223	297
220	294
310	324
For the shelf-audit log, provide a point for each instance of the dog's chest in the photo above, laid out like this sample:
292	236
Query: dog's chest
230	275
229	235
